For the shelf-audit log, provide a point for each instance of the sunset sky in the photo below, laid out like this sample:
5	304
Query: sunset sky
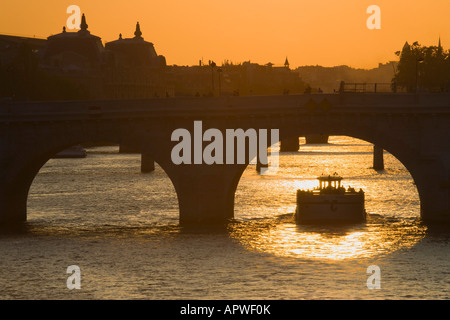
313	32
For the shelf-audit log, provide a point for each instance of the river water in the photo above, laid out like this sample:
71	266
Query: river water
120	227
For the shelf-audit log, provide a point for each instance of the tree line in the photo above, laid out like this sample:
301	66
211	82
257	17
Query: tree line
423	69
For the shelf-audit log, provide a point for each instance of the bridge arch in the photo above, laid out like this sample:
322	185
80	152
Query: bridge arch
14	202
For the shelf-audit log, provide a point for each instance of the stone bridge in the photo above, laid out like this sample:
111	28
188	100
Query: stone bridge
412	127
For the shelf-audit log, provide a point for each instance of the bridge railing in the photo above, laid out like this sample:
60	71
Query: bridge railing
368	87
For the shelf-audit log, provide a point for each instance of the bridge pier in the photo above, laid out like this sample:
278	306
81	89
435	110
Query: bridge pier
205	194
378	161
316	139
289	144
13	204
434	190
123	148
147	163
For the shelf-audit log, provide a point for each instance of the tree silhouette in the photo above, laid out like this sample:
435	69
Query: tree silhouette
423	68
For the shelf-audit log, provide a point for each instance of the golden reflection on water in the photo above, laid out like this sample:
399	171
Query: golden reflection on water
330	242
391	201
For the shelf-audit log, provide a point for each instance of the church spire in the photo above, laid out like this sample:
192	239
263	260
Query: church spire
439	48
286	63
138	33
83	25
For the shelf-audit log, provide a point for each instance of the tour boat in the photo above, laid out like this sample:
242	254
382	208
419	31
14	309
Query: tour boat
330	202
72	152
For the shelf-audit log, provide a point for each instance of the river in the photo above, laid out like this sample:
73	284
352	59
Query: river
120	227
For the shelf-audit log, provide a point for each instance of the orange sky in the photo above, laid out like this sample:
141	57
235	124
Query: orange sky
308	32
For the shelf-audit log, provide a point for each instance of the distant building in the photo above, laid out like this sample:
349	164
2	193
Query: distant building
18	63
126	68
79	56
235	79
130	68
10	45
135	70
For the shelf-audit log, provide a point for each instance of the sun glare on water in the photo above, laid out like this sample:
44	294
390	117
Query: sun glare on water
331	242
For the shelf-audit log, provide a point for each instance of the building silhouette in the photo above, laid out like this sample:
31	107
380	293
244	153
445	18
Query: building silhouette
125	68
135	70
130	68
79	56
230	79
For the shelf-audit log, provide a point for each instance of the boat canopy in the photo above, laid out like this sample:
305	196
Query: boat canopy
330	181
